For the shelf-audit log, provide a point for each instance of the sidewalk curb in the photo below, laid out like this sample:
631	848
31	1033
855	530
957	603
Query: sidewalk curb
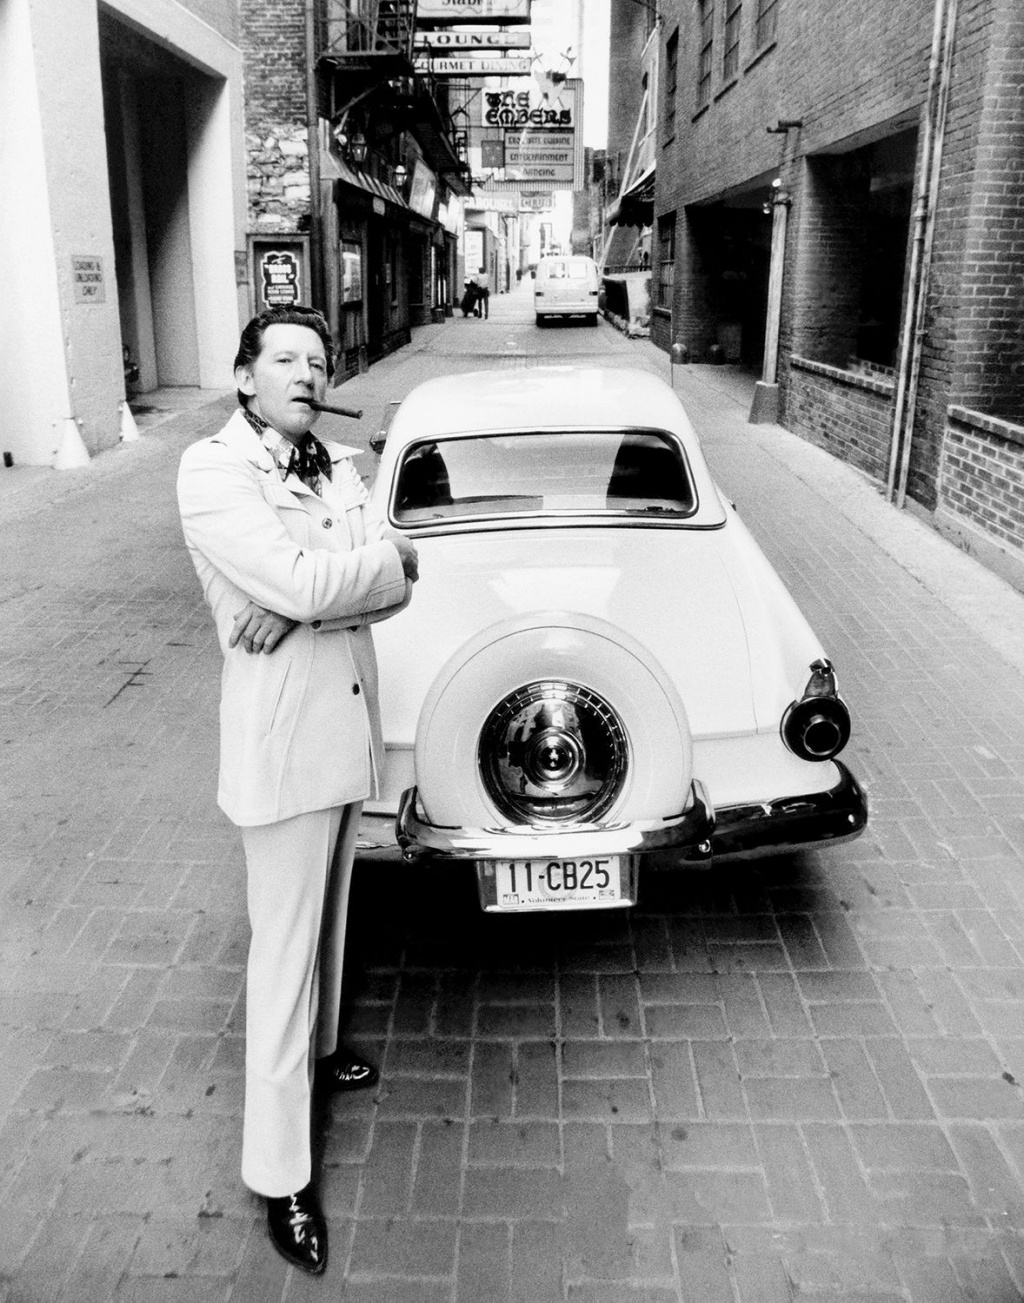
991	607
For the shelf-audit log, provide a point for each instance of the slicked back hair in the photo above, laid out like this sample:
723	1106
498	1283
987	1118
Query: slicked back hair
295	314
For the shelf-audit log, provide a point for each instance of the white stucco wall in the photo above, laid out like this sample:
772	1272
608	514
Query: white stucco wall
61	357
216	177
29	412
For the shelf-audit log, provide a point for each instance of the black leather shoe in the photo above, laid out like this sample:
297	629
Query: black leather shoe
298	1230
344	1070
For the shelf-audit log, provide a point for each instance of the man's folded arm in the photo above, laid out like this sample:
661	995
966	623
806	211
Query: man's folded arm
226	518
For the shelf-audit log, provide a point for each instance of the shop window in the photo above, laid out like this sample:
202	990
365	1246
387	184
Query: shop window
671	74
731	57
859	207
707	52
764	25
666	260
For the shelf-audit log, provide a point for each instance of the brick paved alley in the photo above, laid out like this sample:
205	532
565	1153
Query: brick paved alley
802	1077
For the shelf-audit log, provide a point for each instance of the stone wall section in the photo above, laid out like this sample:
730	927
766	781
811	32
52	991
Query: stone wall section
273	47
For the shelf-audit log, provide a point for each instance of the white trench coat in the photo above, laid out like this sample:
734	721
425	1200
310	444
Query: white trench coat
300	727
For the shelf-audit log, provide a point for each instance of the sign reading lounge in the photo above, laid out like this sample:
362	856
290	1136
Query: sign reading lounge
456	41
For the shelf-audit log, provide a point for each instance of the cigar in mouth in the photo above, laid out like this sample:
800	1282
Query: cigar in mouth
354	412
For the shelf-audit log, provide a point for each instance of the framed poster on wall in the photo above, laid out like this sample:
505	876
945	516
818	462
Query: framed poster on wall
351	271
280	271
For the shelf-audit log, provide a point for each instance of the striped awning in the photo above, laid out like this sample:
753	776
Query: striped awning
635	206
334	168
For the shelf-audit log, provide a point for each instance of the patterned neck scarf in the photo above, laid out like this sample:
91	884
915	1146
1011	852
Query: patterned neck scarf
308	459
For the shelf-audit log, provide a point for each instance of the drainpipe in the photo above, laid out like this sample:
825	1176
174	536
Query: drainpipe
316	277
765	407
912	337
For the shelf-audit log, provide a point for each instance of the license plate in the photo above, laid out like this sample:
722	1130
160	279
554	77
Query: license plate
591	882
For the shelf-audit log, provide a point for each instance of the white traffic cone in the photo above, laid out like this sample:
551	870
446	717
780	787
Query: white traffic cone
72	453
129	430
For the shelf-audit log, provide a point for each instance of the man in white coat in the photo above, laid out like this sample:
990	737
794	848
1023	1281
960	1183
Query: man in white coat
295	565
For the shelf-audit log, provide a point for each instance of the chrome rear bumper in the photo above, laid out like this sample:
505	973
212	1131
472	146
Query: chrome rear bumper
793	822
698	834
686	835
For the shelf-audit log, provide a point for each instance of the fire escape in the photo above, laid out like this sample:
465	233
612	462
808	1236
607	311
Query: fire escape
370	91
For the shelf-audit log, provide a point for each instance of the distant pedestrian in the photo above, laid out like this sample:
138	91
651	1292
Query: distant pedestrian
483	282
470	299
296	565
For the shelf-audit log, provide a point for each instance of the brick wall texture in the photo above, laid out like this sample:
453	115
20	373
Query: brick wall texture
857	76
982	478
849	417
274	66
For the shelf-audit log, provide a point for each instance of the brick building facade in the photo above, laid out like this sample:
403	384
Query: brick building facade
359	216
892	134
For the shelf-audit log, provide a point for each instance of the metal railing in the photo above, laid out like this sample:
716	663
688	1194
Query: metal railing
367	27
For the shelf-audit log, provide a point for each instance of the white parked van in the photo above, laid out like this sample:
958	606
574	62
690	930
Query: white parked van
566	286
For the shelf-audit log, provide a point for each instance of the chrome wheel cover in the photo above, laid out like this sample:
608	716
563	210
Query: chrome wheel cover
553	752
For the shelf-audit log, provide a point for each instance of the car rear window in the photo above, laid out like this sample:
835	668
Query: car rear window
574	269
588	472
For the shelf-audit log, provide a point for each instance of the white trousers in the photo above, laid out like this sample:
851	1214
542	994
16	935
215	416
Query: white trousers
299	873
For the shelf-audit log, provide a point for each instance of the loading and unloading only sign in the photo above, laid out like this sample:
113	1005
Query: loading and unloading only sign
87	277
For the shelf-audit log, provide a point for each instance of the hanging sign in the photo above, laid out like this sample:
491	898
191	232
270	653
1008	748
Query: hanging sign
423	189
474	66
442	12
526	108
540	156
456	41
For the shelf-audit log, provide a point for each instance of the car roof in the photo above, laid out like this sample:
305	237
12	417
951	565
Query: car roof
543	397
549	398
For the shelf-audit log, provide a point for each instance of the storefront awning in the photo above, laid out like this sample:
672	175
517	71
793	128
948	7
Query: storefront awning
334	168
635	206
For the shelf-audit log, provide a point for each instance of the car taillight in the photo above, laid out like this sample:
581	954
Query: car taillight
817	727
554	752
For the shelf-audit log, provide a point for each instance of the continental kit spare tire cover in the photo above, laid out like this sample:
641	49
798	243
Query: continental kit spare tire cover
621	681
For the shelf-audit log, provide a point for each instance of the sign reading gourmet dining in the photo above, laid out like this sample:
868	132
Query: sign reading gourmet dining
526	108
474	67
442	12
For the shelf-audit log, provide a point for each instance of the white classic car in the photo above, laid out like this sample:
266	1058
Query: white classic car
599	664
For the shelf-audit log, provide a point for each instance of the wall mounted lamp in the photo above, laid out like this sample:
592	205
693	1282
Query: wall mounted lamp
352	145
401	174
778	196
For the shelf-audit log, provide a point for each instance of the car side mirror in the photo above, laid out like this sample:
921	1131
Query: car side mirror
378	440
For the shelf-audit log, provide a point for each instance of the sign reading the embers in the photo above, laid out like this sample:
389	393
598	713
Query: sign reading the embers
87	276
522	108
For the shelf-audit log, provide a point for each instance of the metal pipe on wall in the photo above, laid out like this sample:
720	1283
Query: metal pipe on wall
912	335
316	263
780	217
